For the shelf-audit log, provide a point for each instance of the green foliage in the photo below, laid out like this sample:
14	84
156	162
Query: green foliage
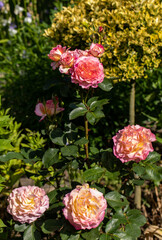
34	140
31	233
148	169
10	138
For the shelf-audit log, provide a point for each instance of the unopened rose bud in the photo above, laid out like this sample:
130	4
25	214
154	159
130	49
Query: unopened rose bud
100	29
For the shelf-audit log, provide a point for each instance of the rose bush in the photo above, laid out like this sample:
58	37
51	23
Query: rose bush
87	189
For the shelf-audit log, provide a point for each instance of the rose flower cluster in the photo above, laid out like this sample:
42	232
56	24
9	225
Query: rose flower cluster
83	66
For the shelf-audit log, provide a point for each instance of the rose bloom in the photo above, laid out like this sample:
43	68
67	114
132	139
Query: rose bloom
133	143
28	203
80	53
84	207
50	108
96	49
56	52
66	61
87	72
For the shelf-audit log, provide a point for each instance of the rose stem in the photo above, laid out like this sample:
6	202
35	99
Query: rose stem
137	198
86	135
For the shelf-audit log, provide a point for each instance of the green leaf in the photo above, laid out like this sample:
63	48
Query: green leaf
70	150
134	216
137	168
93	174
81	141
122	235
105	237
138	182
158	139
112	175
81	105
116	200
67	231
20	228
4	119
98	103
74	165
31	233
152	118
94	150
52	196
51	225
57	137
11	155
2	179
56	206
92	234
2	187
91	100
99	187
2	225
153	157
74	237
133	231
121	216
106	85
153	173
5	144
77	112
91	118
112	225
50	157
98	114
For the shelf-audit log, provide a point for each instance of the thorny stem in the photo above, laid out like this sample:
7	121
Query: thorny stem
137	198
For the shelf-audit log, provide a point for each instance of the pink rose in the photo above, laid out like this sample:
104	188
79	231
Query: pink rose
56	52
133	143
84	207
50	108
87	72
28	203
66	61
96	49
80	53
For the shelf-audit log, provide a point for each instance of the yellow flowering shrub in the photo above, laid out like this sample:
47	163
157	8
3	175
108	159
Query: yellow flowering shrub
130	33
